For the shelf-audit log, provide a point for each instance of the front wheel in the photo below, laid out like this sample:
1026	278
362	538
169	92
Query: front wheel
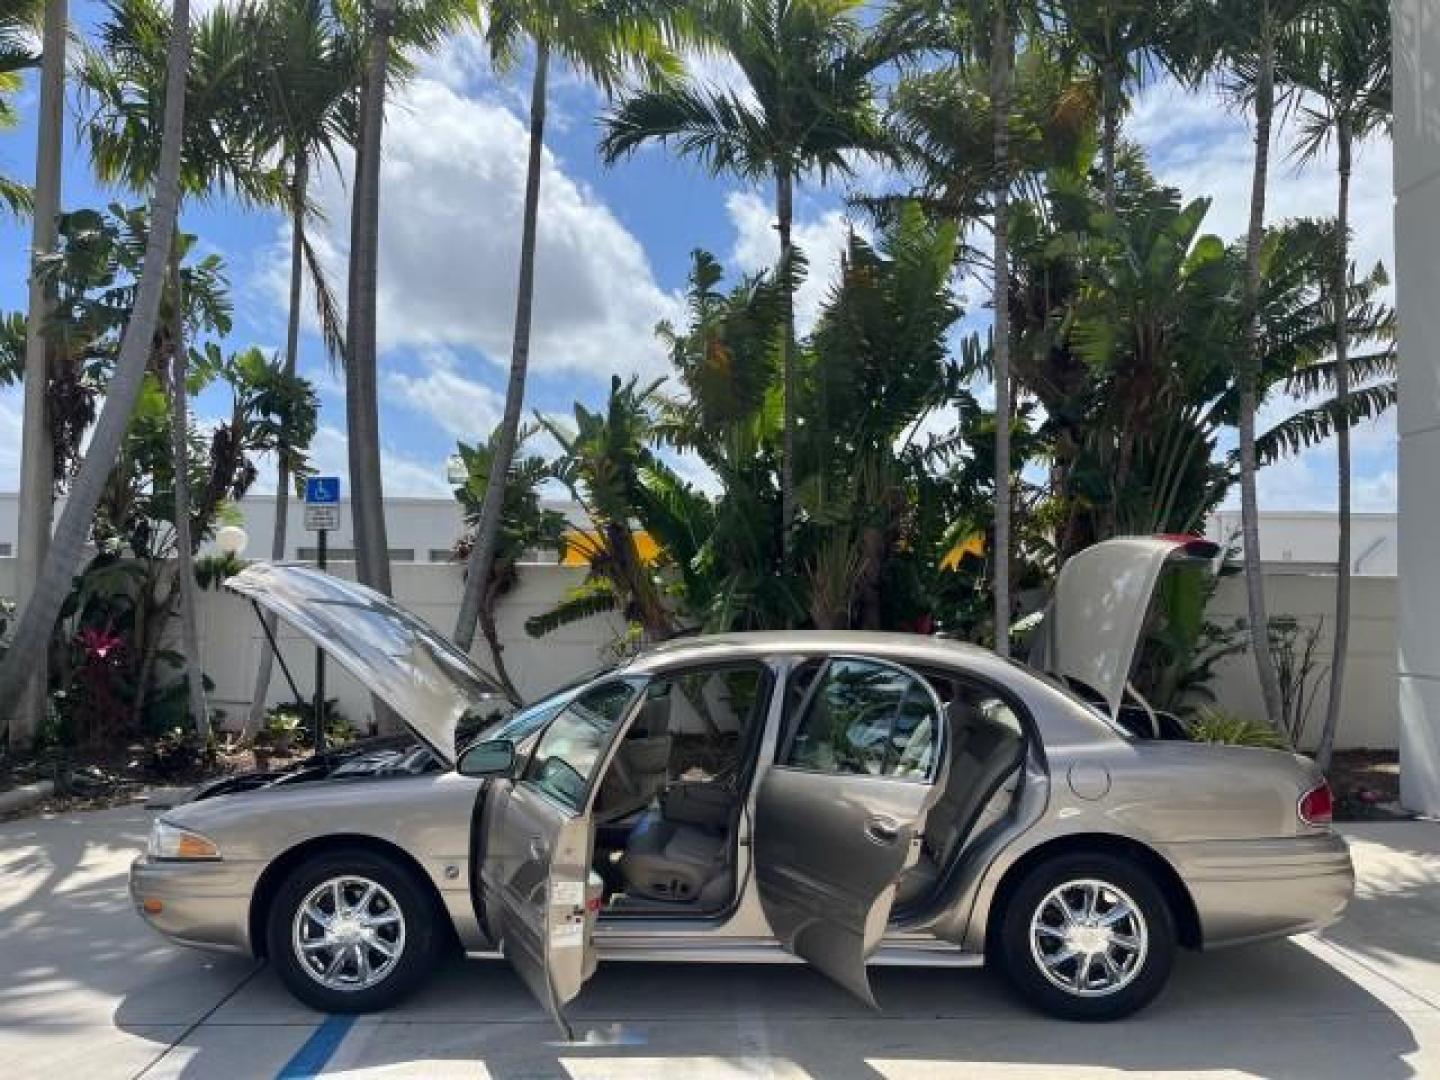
351	932
1087	937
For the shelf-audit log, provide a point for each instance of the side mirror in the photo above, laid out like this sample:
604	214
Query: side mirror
494	757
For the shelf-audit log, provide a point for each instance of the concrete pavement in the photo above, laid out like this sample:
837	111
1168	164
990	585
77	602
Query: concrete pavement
87	991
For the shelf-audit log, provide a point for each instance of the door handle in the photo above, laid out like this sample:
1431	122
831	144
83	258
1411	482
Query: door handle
537	848
882	830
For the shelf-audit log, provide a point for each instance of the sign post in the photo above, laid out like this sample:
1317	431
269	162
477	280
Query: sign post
322	513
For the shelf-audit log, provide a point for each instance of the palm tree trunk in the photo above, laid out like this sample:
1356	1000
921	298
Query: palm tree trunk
1000	60
481	564
37	455
1342	448
492	639
1249	377
282	471
1110	136
194	672
785	211
362	410
37	623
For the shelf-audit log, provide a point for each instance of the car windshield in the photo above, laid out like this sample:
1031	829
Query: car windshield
521	724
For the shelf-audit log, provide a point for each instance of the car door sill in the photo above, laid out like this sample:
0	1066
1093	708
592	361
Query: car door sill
708	950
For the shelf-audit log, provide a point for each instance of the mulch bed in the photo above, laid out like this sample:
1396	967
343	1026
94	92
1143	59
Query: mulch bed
1367	785
103	779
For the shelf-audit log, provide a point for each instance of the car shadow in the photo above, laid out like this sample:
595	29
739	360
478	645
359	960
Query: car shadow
1277	1011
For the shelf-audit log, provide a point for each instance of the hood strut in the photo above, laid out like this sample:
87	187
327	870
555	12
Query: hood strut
275	652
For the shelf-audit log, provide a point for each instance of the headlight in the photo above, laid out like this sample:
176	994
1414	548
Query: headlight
172	842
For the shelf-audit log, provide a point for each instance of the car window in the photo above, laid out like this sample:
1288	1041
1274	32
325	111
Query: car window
868	719
569	752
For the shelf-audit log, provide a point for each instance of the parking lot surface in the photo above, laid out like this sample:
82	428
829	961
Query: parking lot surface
86	991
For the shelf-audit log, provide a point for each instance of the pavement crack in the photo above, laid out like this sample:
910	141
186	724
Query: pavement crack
201	1019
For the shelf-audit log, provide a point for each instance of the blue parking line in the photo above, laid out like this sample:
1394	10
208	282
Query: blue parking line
310	1060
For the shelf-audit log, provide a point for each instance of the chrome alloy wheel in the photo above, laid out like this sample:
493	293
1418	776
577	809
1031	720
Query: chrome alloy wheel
1088	938
348	933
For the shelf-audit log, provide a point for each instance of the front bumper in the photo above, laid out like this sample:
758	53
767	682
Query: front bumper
204	904
1251	890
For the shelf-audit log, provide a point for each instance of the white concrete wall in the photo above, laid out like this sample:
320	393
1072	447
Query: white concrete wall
1417	292
231	639
1370	717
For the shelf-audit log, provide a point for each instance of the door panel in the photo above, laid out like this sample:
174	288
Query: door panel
839	817
536	871
537	888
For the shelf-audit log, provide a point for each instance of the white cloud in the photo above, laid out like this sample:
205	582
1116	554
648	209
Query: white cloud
452	192
464	408
400	473
757	247
1195	143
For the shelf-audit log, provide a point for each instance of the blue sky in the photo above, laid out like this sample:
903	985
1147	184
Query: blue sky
614	251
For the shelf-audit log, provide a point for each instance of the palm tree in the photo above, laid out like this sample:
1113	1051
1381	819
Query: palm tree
807	107
383	26
603	39
1343	59
1119	39
306	78
1239	39
362	408
37	458
37	621
124	83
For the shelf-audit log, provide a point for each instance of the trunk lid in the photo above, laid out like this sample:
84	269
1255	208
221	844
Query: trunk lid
1095	619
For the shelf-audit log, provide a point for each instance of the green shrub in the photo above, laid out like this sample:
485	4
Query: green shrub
1212	725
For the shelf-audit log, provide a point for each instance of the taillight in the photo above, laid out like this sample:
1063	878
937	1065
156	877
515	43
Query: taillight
1317	806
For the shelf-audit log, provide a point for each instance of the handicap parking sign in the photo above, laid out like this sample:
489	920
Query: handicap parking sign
322	490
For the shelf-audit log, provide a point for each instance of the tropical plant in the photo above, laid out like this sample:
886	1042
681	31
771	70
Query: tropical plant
1295	652
1214	725
606	40
601	463
1343	59
37	621
525	525
807	107
124	84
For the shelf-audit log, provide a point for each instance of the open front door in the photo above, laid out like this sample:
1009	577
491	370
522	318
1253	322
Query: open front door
839	816
538	892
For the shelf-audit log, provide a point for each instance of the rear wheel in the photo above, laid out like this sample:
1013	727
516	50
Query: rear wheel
351	932
1087	937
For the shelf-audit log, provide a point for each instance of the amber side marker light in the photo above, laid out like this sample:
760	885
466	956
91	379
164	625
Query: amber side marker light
153	906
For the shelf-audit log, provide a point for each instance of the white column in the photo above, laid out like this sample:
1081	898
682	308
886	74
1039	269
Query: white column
1417	281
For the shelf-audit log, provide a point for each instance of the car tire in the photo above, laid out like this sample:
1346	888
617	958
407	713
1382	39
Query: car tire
1087	937
385	942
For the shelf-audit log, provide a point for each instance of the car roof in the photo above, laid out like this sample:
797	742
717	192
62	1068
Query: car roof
903	648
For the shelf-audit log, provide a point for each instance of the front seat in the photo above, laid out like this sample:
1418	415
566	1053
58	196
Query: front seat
668	860
641	765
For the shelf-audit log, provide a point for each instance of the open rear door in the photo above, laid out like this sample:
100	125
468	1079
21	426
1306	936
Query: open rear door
538	893
839	816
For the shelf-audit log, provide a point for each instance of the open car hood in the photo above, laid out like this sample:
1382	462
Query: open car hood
430	683
1094	621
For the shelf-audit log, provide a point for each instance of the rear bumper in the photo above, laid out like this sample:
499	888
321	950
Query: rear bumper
1251	890
204	904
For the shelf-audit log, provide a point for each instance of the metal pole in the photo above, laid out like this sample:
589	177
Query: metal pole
319	709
